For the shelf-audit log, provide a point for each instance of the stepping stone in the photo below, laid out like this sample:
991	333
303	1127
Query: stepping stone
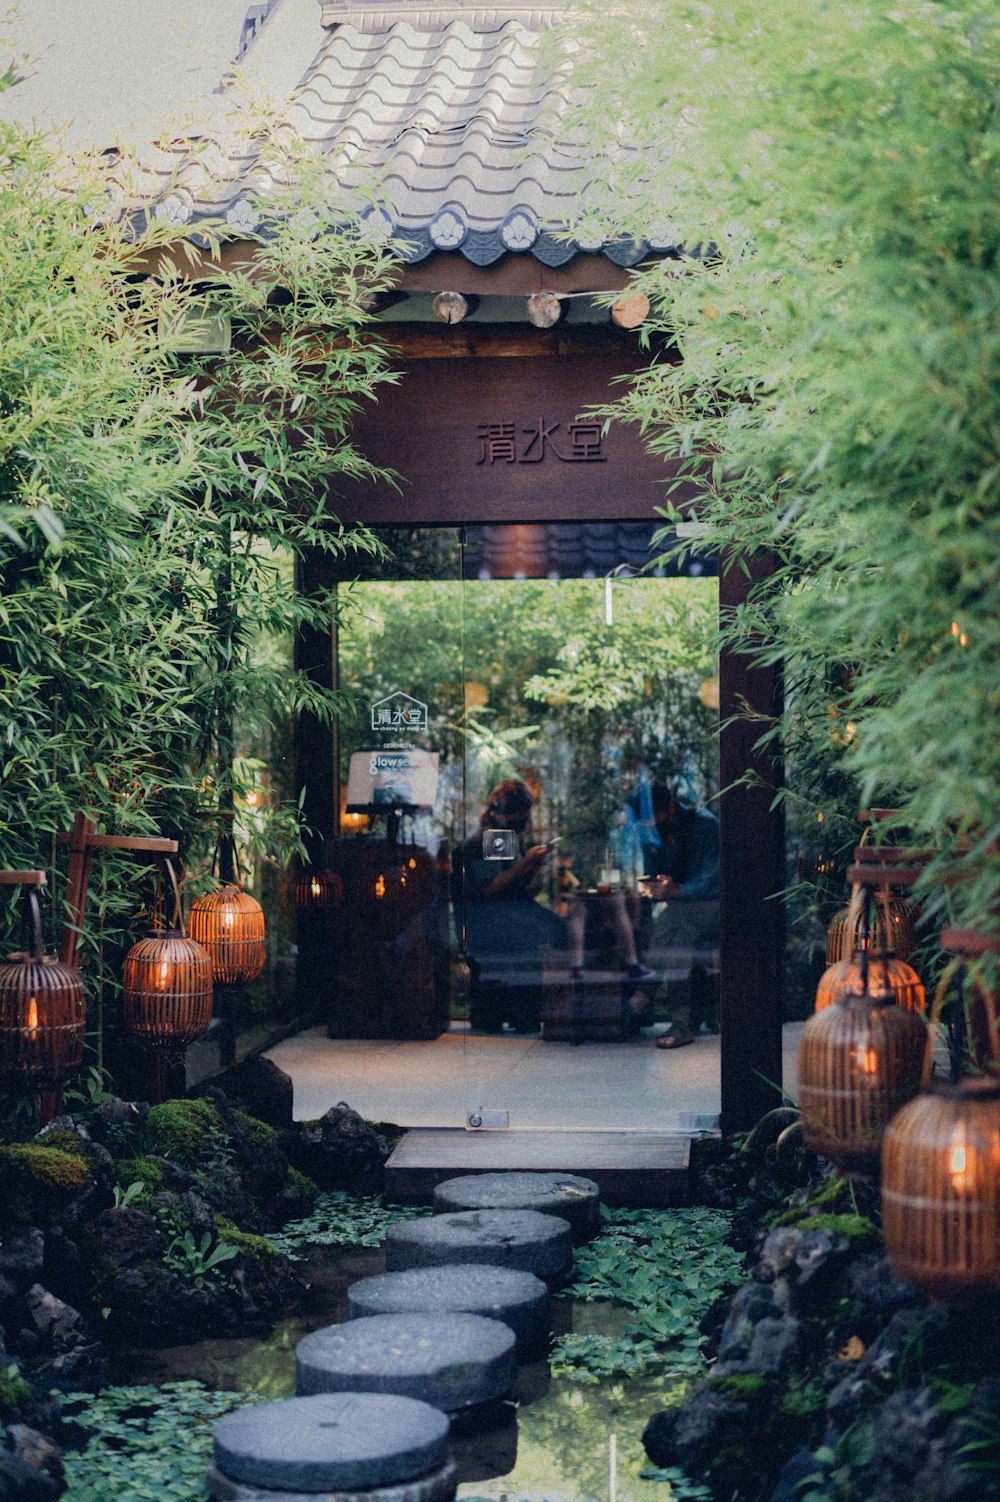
346	1441
522	1239
437	1486
518	1299
450	1360
564	1194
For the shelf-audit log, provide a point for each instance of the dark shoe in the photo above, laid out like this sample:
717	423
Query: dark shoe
674	1040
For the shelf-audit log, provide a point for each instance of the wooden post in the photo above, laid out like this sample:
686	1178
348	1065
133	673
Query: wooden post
752	873
77	884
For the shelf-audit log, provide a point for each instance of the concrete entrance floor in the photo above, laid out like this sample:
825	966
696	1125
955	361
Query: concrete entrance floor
629	1086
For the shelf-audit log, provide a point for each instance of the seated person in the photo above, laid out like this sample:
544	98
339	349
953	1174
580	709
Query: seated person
495	884
682	866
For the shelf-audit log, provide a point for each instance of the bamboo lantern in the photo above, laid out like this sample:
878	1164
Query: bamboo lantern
41	1013
892	929
867	925
941	1180
859	1062
167	985
229	923
318	892
393	884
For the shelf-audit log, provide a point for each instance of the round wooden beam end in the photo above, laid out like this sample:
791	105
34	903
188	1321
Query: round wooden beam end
631	310
450	307
544	310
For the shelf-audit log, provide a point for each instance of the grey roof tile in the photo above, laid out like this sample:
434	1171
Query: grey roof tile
447	107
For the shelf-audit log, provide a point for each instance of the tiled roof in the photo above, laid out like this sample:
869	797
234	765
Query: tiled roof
447	106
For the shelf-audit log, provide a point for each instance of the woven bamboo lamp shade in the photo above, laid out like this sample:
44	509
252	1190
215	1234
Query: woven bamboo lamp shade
859	1062
167	984
168	990
866	921
41	1013
941	1181
891	929
229	923
318	891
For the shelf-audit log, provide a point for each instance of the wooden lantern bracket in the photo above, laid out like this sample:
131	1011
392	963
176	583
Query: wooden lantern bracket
83	840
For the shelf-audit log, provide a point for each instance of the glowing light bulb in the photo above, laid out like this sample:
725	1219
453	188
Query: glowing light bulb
958	1162
228	917
32	1018
163	974
413	864
314	887
380	886
867	1061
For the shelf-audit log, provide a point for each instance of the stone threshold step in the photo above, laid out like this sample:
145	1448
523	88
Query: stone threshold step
638	1169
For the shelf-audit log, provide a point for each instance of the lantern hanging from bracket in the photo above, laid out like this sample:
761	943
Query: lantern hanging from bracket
167	984
888	972
229	923
859	1061
941	1171
42	1016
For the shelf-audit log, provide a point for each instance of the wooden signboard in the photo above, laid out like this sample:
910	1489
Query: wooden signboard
503	440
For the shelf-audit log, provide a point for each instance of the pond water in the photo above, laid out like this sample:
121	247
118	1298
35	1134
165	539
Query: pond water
553	1438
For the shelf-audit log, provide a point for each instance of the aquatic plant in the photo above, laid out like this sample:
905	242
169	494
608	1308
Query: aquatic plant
341	1219
670	1267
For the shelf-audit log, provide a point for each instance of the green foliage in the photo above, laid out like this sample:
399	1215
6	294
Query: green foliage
669	1266
586	699
131	1195
46	1168
302	1186
837	399
145	1171
195	1260
153	505
13	1389
150	1444
257	1133
177	1129
341	1219
748	1387
260	1248
681	1488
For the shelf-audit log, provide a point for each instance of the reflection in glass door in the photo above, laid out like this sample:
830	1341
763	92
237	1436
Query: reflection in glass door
527	787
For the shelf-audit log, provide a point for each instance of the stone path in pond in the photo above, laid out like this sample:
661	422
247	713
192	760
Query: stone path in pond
440	1333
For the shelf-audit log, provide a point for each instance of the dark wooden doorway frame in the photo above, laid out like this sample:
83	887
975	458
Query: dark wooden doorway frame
425	429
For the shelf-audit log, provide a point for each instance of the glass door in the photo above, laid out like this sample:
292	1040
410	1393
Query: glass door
527	928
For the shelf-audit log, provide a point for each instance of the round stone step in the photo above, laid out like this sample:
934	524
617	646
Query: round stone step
439	1485
450	1360
335	1441
518	1299
522	1239
564	1194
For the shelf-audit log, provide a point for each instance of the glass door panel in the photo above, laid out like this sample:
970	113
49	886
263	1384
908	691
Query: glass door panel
527	853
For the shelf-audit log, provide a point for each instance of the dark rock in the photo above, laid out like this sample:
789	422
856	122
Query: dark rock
119	1126
8	1290
56	1323
123	1236
450	1360
84	1368
332	1441
524	1239
36	1450
259	1087
22	1256
188	1211
875	1374
910	1447
574	1199
748	1306
692	1434
878	1292
20	1482
63	1270
801	1468
775	1346
337	1150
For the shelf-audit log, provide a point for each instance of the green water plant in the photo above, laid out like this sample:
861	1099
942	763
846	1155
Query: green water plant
668	1267
149	1444
341	1219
